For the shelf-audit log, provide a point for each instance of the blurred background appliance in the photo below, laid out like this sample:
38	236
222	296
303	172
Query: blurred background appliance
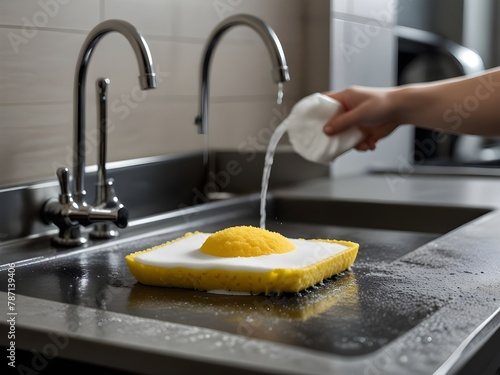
439	39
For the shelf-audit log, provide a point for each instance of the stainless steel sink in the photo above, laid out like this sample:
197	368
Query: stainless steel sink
358	313
405	217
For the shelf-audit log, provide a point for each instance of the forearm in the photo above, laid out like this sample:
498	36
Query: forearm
465	105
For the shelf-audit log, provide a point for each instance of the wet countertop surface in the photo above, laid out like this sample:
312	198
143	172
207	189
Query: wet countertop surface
417	300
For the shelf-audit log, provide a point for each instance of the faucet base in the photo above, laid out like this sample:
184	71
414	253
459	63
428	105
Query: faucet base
69	239
103	231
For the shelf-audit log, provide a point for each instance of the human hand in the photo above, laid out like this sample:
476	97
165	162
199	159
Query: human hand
370	109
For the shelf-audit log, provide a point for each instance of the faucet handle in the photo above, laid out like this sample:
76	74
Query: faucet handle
118	217
121	218
61	212
113	203
64	178
68	215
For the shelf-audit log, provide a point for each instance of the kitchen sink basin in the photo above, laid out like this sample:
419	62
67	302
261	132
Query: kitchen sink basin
385	295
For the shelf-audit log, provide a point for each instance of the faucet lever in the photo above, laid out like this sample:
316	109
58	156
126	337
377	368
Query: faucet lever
59	212
105	192
68	215
64	178
118	217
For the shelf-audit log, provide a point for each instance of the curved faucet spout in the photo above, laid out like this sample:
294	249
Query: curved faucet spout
147	80
280	72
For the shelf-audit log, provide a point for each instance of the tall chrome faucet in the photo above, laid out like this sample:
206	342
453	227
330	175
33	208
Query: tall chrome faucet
280	72
71	211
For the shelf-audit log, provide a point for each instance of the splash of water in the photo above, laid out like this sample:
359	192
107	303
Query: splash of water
268	162
279	100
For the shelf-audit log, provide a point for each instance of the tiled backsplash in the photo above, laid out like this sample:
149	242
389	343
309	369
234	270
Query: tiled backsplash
39	45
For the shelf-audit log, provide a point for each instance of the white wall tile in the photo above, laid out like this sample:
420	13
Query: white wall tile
37	79
42	70
179	18
245	125
156	127
61	14
316	50
197	18
32	141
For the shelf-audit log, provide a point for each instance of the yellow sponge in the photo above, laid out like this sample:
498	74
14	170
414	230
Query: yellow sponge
246	241
242	259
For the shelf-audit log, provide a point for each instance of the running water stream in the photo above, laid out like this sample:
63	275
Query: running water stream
268	162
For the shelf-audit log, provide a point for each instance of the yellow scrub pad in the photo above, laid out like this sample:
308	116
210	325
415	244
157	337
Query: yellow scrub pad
242	259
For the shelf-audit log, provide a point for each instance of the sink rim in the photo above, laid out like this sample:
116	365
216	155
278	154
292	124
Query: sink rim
33	248
46	316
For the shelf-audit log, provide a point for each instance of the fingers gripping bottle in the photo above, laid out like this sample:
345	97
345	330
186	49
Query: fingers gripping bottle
305	129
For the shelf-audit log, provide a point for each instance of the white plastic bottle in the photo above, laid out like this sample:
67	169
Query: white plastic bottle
305	129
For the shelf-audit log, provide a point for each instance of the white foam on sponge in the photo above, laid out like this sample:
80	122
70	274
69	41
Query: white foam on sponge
184	253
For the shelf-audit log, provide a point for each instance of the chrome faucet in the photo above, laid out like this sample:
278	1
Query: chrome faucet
70	211
280	72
